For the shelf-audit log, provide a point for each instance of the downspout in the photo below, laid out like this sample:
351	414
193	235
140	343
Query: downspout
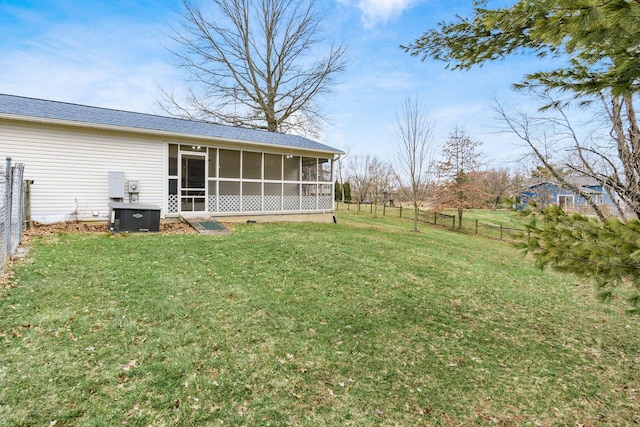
333	183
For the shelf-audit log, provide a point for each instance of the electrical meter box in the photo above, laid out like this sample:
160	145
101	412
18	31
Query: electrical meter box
133	187
134	217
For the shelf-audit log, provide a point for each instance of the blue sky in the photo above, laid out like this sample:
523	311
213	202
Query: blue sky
113	53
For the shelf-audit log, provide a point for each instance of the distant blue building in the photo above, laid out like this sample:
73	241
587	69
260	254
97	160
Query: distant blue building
550	191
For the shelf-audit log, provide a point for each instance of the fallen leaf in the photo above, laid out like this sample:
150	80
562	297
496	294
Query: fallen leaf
132	364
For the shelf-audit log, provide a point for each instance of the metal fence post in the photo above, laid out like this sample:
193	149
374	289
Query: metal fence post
7	210
17	207
3	228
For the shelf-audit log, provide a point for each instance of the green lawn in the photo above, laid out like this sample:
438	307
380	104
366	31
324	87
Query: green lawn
357	323
505	224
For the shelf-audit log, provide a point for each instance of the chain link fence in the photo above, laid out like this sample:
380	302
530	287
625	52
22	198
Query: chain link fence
12	208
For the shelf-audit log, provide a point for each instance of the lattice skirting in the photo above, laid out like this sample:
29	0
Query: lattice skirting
308	202
254	203
251	203
212	204
325	202
272	203
229	203
291	203
173	203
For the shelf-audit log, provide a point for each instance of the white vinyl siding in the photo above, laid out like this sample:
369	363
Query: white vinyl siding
69	167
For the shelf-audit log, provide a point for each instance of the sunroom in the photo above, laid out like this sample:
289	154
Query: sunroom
184	167
228	181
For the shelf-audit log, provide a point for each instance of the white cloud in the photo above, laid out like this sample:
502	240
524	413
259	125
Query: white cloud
376	11
108	65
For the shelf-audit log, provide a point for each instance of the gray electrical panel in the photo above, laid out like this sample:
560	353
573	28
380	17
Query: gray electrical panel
116	185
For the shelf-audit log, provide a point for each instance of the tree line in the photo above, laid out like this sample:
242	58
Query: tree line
451	176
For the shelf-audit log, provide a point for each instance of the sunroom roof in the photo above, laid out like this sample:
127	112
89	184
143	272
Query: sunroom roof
11	105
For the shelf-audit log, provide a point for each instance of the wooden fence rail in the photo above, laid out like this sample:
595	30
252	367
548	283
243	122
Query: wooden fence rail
439	219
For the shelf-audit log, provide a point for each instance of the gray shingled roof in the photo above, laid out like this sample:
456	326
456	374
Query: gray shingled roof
44	109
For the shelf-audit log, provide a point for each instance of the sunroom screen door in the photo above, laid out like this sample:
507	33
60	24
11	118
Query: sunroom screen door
193	182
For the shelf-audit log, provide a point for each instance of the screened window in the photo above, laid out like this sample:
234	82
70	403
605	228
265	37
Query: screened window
251	165
291	168
229	164
251	189
212	163
324	170
173	187
272	189
229	188
309	169
273	166
291	189
173	159
309	189
212	188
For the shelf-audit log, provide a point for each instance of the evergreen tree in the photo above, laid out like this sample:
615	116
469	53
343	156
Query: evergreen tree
347	191
601	39
606	252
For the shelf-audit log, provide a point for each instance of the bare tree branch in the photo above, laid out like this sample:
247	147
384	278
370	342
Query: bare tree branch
413	153
520	124
249	64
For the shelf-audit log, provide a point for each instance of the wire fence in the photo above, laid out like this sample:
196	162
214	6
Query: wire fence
12	210
468	225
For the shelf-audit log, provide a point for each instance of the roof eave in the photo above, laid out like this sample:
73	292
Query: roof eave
144	131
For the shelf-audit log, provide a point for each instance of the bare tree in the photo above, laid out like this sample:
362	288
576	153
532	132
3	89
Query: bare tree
358	176
250	64
340	162
461	186
381	182
413	154
499	182
370	177
581	158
